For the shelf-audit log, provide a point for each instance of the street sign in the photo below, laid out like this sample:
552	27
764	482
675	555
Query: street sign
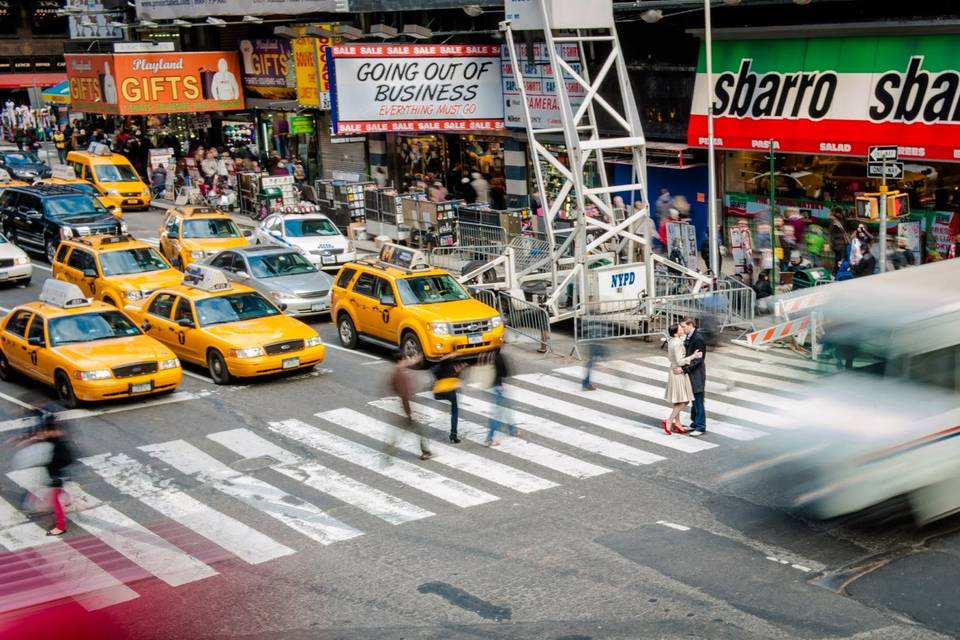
879	154
892	170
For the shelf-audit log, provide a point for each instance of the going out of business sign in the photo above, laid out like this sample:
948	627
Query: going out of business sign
836	96
379	88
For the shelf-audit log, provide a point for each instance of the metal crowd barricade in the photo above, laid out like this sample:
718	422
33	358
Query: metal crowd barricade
525	319
487	297
731	305
473	234
457	259
611	320
671	284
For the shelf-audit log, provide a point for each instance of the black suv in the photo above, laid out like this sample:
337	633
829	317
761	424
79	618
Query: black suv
24	165
37	218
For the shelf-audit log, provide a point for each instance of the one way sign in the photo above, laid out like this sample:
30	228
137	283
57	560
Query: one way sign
891	170
879	154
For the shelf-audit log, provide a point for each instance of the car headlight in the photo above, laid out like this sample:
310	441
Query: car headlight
197	255
249	352
98	374
134	295
113	192
65	233
315	341
172	363
495	322
21	260
281	295
123	228
440	328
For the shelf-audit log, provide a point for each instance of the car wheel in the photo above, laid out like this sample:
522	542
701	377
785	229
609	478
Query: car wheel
218	368
65	393
7	373
347	331
410	346
51	250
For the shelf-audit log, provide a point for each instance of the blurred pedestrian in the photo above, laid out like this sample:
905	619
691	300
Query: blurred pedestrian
446	386
595	353
679	392
60	142
501	414
31	454
867	263
61	457
401	383
697	370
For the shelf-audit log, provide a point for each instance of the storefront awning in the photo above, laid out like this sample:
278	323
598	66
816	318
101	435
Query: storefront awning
833	96
27	80
57	94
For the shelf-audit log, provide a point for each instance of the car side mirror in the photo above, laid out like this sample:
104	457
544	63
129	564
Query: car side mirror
282	306
89	273
276	233
186	323
247	233
242	275
388	300
36	342
146	326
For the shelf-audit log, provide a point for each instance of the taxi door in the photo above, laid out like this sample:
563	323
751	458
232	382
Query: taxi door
81	270
13	340
162	328
362	302
41	360
385	317
170	240
189	336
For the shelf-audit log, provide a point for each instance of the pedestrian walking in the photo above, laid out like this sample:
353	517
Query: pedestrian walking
31	454
595	353
697	371
61	457
446	386
401	384
679	392
867	263
60	142
501	415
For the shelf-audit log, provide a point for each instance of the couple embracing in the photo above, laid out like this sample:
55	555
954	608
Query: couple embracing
687	378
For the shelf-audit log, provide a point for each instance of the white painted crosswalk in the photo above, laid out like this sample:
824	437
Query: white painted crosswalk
254	492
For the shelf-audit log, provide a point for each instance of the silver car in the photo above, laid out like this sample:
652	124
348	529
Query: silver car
281	274
14	264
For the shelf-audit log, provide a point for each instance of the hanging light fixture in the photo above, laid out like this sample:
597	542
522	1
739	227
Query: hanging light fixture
650	16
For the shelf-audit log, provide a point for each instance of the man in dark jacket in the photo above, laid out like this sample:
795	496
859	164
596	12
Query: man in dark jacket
697	371
867	264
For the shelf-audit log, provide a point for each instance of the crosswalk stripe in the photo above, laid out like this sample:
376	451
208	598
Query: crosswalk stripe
135	480
767	357
353	492
297	514
62	571
519	448
638	405
607	421
445	454
723	373
447	489
767	419
132	540
713	386
749	366
547	428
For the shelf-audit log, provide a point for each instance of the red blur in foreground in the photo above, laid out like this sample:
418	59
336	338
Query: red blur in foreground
64	618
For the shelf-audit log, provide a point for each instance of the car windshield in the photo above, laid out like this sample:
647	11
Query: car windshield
309	228
116	173
279	264
89	327
75	205
430	289
234	308
118	263
21	157
210	228
84	187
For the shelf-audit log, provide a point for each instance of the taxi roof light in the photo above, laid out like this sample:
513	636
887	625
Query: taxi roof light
197	211
205	278
63	172
65	295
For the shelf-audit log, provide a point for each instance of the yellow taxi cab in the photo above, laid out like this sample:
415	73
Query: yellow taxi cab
65	175
114	269
114	174
190	234
85	349
231	329
400	300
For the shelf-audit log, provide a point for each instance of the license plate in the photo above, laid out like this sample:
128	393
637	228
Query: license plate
475	338
4	275
131	202
290	363
318	307
328	260
143	387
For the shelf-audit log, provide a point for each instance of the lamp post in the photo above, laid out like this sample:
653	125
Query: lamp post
711	161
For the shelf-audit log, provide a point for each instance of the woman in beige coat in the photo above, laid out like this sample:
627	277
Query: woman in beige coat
679	392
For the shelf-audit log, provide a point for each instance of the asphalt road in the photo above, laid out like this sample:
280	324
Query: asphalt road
269	510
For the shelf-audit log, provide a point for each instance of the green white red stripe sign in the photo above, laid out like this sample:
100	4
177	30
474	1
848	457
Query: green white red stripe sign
835	96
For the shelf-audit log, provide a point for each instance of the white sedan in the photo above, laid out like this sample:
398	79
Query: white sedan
14	263
312	234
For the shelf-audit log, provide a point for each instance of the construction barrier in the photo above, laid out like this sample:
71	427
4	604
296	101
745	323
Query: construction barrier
795	329
789	307
471	233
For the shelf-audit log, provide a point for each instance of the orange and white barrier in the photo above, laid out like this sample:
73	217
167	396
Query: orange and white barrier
796	329
792	306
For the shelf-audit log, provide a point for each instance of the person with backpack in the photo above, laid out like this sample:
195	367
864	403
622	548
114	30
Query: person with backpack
446	386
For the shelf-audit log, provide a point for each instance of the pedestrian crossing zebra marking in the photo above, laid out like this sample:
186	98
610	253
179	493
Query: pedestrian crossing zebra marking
525	450
343	488
446	455
722	373
299	515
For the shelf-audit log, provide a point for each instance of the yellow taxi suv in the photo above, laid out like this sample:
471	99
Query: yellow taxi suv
231	329
190	234
113	174
85	349
398	300
114	269
66	176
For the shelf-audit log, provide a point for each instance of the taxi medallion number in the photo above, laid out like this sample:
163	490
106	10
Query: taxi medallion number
290	363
